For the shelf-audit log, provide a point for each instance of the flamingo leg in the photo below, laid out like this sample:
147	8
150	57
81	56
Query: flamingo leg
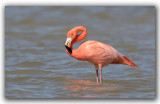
96	67
100	67
97	76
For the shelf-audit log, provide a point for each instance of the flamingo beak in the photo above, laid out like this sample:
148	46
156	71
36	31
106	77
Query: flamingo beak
68	45
68	49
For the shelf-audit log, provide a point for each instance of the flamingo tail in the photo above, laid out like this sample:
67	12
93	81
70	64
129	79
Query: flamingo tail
127	61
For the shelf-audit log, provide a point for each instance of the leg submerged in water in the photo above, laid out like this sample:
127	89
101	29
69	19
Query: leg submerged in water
100	67
97	78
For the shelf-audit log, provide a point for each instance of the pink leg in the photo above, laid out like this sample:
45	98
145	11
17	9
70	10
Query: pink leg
100	67
96	67
97	75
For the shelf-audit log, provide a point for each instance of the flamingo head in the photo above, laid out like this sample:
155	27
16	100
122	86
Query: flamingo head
68	44
72	38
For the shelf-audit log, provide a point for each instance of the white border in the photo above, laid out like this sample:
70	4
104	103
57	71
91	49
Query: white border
80	2
69	3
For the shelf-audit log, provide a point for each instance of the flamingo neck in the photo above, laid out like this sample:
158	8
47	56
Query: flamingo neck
76	53
79	37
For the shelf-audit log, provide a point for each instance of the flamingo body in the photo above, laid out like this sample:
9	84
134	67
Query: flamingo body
98	53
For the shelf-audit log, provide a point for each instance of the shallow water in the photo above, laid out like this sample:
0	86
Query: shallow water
37	66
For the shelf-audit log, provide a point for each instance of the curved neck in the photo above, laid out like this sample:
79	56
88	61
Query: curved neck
79	37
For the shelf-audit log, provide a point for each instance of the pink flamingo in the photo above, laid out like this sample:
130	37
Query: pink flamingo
98	53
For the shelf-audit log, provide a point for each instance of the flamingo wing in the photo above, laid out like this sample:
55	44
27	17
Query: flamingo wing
98	53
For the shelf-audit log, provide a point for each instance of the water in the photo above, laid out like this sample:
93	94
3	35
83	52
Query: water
37	66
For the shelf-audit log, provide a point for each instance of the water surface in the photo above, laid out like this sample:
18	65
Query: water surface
37	66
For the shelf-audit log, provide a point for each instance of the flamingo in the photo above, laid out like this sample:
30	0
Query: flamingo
95	52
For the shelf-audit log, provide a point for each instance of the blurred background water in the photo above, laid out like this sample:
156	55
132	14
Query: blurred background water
37	66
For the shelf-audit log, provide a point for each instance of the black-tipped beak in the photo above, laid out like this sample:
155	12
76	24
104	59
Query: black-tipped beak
68	49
